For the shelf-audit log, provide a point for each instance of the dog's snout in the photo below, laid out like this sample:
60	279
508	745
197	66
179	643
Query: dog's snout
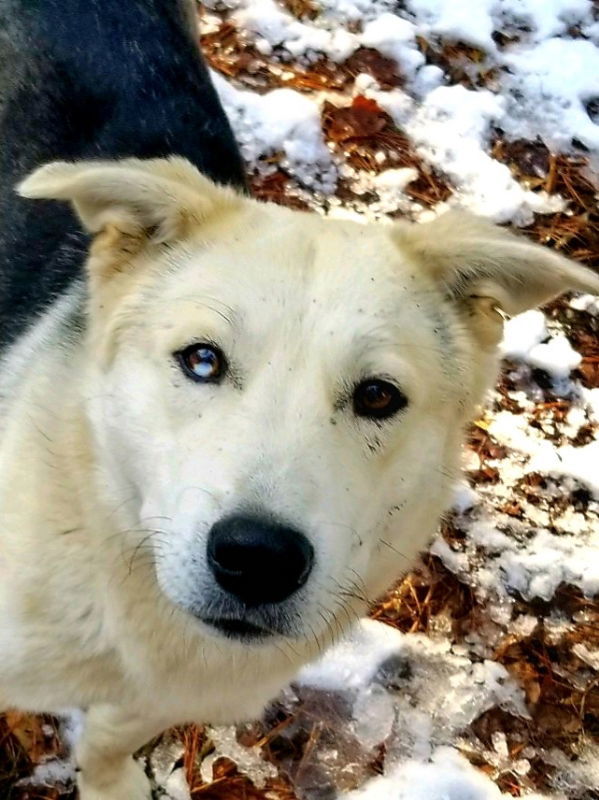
258	561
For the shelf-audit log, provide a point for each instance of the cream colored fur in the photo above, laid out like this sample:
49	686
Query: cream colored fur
113	465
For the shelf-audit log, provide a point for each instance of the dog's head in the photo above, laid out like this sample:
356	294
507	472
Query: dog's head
283	395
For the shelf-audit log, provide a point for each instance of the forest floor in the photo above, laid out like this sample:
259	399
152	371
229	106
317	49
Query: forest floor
477	675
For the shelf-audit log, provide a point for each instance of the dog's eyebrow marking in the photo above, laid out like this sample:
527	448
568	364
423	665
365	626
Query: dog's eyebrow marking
441	328
228	314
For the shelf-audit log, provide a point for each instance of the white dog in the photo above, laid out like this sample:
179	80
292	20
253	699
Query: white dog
238	423
255	432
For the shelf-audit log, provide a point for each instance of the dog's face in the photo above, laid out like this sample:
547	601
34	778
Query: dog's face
294	378
282	395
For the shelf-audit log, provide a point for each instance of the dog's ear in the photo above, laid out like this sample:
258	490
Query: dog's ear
488	271
156	199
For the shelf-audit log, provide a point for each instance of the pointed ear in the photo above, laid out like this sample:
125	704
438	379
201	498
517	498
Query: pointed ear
158	199
487	270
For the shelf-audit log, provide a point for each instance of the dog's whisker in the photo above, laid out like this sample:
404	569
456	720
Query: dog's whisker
393	548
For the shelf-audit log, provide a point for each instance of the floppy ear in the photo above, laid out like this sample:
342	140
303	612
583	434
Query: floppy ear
157	199
489	271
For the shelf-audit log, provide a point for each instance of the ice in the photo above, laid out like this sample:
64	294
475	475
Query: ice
380	687
418	673
163	764
590	657
248	759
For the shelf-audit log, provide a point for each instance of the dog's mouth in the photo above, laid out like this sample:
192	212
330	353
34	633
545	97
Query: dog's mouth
239	629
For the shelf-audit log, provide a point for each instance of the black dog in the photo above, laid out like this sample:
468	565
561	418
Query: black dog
74	88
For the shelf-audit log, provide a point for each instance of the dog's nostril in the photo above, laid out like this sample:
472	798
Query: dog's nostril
258	561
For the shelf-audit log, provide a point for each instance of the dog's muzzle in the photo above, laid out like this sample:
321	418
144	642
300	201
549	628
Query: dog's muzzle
257	563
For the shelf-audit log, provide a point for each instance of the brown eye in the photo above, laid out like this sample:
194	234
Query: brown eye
378	399
204	363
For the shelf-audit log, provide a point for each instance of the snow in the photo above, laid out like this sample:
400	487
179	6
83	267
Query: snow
451	130
276	27
522	333
60	771
465	497
547	561
527	339
579	463
248	759
543	80
470	23
586	302
354	662
395	38
446	776
557	357
416	695
281	120
413	694
474	23
354	10
548	85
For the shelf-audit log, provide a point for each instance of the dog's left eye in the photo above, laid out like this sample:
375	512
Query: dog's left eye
204	363
378	399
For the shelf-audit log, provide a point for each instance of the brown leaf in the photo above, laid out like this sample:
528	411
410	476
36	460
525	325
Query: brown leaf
27	729
370	61
227	784
362	120
302	9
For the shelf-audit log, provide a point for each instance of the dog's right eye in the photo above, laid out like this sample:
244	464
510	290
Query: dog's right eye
204	363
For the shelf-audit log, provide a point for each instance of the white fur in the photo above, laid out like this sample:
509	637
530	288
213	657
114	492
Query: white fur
114	465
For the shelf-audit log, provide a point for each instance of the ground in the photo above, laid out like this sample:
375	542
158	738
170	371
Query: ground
477	676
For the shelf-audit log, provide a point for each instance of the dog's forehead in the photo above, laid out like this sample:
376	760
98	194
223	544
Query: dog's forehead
300	265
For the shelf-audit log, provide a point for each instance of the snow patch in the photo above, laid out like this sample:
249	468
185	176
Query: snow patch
548	85
522	333
281	120
446	776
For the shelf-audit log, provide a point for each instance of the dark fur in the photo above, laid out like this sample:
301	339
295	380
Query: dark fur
92	79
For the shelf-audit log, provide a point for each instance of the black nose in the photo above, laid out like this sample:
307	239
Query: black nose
258	561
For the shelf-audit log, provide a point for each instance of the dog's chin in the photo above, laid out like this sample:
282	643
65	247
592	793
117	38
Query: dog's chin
239	629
